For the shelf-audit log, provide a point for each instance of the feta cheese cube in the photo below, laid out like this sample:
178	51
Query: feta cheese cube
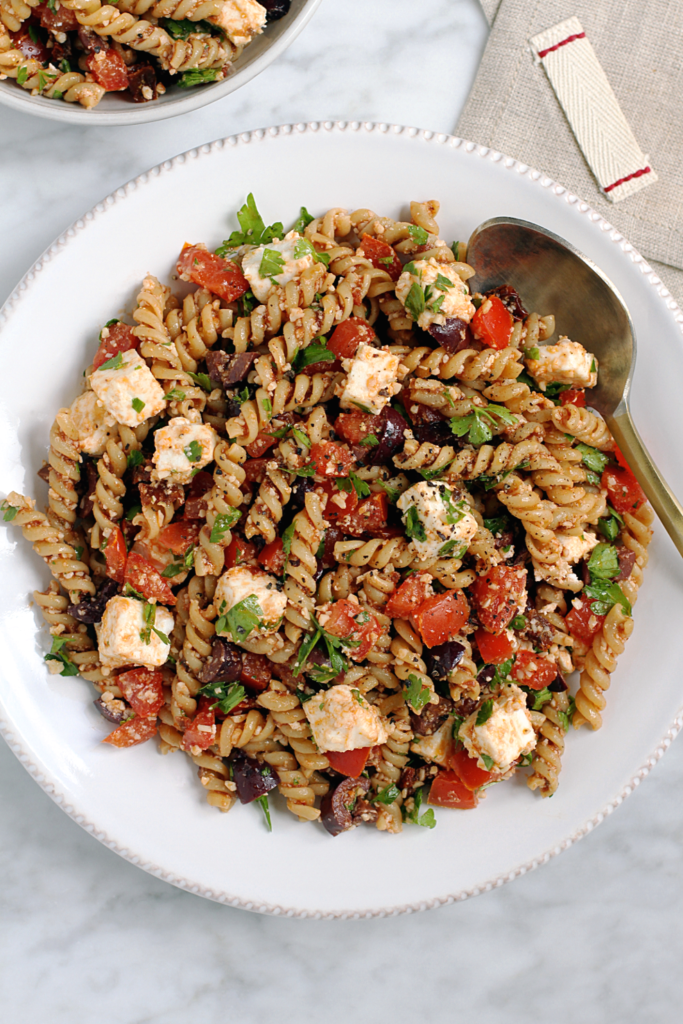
444	515
87	423
372	379
437	747
120	634
238	584
506	735
296	253
128	391
241	20
573	549
444	294
180	448
341	719
567	362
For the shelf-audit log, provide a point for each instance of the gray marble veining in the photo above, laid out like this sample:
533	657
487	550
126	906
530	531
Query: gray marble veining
593	936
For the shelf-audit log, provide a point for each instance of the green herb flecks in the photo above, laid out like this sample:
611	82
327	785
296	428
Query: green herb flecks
478	423
137	404
418	234
57	653
387	795
413	527
223	522
427	820
115	363
370	441
149	612
302	221
226	695
197	76
254	230
202	379
242	619
263	802
485	712
316	352
488	761
272	264
416	693
303	248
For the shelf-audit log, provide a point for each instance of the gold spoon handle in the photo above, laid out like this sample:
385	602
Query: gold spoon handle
663	500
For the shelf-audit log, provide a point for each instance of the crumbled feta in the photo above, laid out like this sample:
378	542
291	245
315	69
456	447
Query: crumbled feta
241	20
437	747
130	393
181	448
341	719
120	634
506	735
573	549
567	362
576	548
372	379
444	515
443	299
293	267
241	582
89	421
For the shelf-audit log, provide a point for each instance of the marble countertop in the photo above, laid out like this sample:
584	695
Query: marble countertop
593	935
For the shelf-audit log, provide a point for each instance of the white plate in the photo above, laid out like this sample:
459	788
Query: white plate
149	808
113	109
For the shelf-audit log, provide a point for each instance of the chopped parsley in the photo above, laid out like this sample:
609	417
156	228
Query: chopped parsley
263	801
183	28
477	424
132	512
370	441
387	795
287	538
488	761
301	438
414	528
197	76
202	379
115	363
226	695
302	248
565	717
302	221
519	622
242	619
9	510
592	458
174	395
416	693
499	524
427	820
149	612
316	352
393	493
609	526
272	264
603	563
135	458
222	523
418	234
485	712
254	230
138	404
449	548
193	451
58	654
604	595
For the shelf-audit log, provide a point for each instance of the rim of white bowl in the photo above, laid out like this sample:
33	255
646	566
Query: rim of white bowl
562	194
73	113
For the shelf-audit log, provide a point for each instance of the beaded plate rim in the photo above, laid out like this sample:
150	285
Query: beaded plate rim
53	251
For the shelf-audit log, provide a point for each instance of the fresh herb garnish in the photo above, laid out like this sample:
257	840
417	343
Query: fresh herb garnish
193	451
9	510
226	695
302	221
603	563
149	612
263	801
565	717
137	404
485	712
370	441
449	548
254	231
475	426
183	28
115	363
592	458
393	493
135	458
316	352
488	761
301	438
58	654
272	264
387	795
174	395
519	622
418	234
267	406
242	619
609	526
132	512
222	523
202	379
197	76
604	595
302	248
287	538
498	524
413	526
416	694
415	301
427	820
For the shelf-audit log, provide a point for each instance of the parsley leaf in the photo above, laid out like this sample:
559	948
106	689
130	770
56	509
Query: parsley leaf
592	458
370	441
193	451
287	538
301	438
305	651
603	563
387	795
519	622
57	654
263	801
183	28
202	379
243	618
173	570
498	524
361	488
485	712
149	612
272	264
416	694
222	523
565	717
135	458
302	221
413	526
174	395
609	526
267	406
137	404
302	248
418	234
427	820
541	697
115	363
316	352
132	512
605	595
449	548
488	761
254	231
306	470
10	512
226	695
415	301
197	76
393	493
475	426
162	636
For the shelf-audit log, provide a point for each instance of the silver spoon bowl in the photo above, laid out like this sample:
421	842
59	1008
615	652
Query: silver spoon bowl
552	276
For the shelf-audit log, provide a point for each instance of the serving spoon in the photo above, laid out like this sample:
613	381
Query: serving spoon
554	277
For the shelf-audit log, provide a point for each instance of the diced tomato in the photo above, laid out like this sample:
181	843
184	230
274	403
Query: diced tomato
348	762
347	337
582	622
498	596
573	396
467	769
272	557
492	323
449	791
371	515
135	730
179	536
332	459
107	68
407	598
116	338
255	470
201	731
625	493
355	426
381	255
30	47
261	443
441	617
352	622
197	503
221	277
56	19
115	555
256	671
533	670
143	577
238	552
143	689
339	503
494	649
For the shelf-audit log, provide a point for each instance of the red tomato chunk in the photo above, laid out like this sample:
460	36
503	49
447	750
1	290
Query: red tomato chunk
239	552
449	791
59	19
261	443
348	762
582	622
143	577
347	337
573	397
116	338
381	255
30	47
494	650
371	515
201	731
406	600
533	670
352	622
135	731
355	426
625	493
107	68
467	769
272	557
143	689
178	537
221	277
256	671
331	459
441	617
339	503
492	323
115	555
498	596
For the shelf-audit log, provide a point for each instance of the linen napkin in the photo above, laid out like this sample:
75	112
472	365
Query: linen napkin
512	108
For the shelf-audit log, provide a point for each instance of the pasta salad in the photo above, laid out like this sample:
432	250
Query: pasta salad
334	525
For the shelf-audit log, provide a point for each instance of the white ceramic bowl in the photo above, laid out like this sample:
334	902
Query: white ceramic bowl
114	110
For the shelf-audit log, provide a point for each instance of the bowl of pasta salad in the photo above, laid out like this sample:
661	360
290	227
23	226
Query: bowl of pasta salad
87	62
341	534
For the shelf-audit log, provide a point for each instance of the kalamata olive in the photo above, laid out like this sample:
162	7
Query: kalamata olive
390	437
276	8
224	663
90	41
142	82
538	630
300	488
252	778
113	711
336	808
332	535
465	707
431	717
228	370
438	431
627	559
91	609
559	684
509	296
441	660
91	477
452	336
486	675
504	539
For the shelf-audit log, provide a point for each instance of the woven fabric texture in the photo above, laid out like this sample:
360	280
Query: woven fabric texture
513	108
